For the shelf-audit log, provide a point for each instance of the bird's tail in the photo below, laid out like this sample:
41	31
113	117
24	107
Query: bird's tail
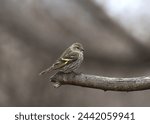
45	71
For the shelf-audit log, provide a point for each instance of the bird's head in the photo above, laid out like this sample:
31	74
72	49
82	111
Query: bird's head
77	47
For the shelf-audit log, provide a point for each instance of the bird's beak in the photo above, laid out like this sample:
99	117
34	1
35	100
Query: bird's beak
82	49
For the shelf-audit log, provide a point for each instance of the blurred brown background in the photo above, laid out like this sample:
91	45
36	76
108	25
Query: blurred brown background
33	33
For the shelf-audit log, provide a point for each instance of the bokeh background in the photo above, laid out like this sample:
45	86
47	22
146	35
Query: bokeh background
33	33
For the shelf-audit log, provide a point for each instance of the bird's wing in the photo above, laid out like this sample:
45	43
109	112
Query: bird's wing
65	59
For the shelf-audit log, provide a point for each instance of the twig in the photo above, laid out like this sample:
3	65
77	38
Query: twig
100	82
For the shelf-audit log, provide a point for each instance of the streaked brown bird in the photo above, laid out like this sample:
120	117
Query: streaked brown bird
69	61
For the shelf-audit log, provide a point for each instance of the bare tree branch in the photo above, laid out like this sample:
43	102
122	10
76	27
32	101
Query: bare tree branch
100	82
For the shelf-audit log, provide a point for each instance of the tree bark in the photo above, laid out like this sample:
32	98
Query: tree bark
100	82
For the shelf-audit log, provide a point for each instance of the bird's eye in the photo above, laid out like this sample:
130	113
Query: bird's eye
77	47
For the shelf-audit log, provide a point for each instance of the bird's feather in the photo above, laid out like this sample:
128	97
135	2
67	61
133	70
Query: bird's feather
65	59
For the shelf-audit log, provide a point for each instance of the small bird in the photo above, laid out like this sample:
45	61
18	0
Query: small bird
69	61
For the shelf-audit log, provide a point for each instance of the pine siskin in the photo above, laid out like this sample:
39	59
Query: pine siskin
69	61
